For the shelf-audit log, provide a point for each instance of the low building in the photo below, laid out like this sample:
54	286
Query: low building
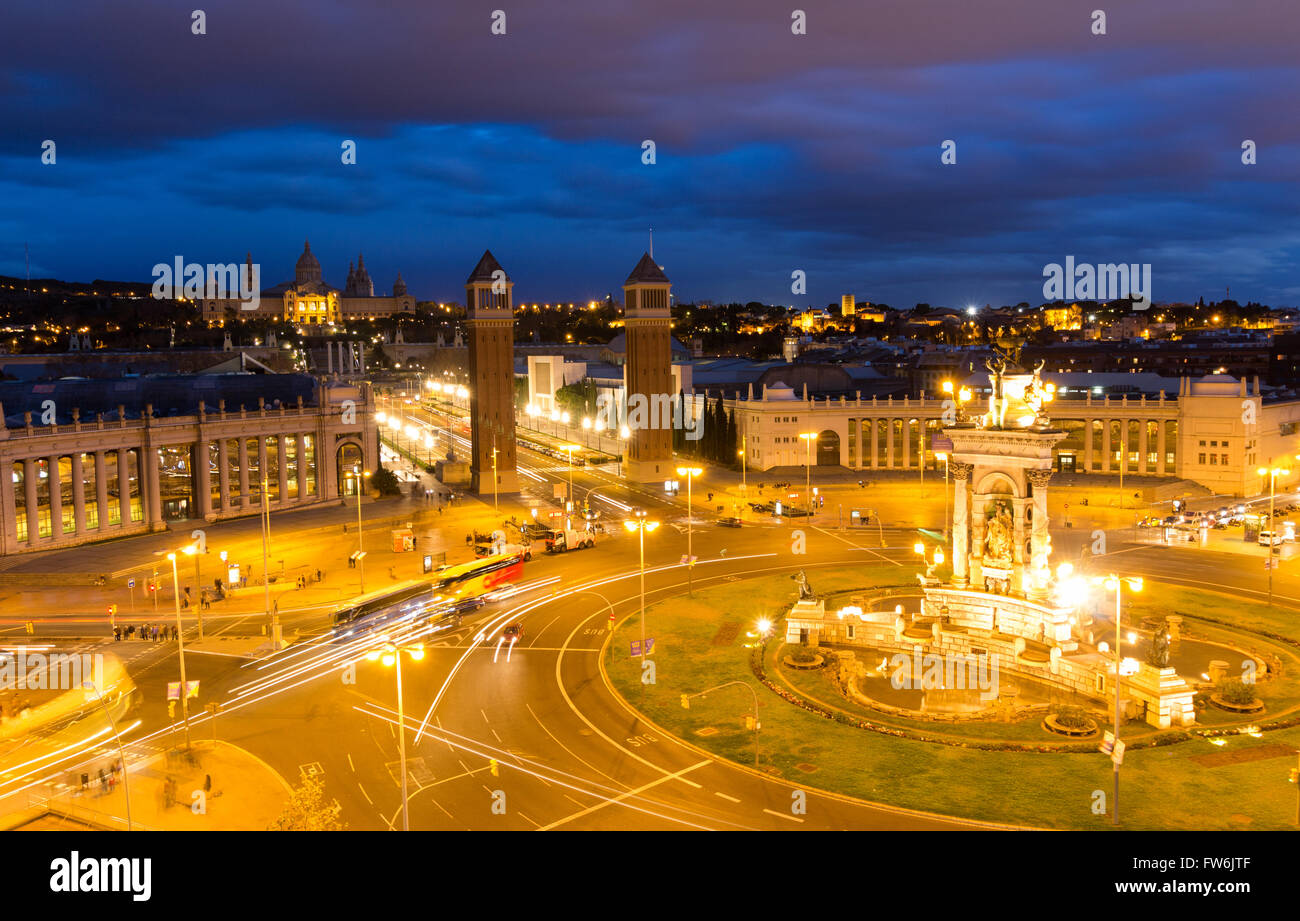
91	460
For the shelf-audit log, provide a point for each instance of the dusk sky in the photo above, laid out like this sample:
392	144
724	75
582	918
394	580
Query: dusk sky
775	152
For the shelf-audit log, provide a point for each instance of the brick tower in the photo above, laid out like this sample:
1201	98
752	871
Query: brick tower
489	315
648	374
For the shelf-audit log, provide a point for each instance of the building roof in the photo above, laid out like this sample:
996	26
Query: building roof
647	272
486	269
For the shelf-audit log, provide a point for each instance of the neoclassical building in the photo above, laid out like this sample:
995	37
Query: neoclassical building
309	301
93	460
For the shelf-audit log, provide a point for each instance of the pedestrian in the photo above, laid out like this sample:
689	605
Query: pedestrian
85	781
103	782
320	576
155	633
207	783
117	634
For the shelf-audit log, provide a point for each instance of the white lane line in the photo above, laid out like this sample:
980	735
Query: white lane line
782	815
855	546
623	796
535	824
350	764
731	799
365	794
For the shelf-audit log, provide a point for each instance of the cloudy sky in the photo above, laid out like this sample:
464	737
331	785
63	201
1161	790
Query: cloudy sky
775	152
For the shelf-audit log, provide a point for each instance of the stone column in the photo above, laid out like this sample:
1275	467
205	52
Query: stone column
978	510
223	473
201	477
245	501
101	490
889	443
8	541
152	487
281	441
960	539
1087	445
263	475
1040	542
907	445
30	474
56	498
1143	445
302	467
124	485
1105	446
78	495
1161	434
875	431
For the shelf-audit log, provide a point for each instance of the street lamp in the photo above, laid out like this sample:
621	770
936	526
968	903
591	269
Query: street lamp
274	614
391	655
586	430
808	438
359	476
690	473
180	642
1272	473
943	456
1114	581
641	525
624	433
569	498
744	482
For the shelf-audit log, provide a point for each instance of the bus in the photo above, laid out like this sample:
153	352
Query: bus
475	579
403	598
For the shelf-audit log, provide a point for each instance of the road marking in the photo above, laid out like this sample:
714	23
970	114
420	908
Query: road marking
623	796
350	764
782	815
855	546
726	797
365	794
535	824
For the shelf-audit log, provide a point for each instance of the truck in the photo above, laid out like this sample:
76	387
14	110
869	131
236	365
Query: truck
561	539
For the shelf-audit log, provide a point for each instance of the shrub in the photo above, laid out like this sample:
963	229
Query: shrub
1236	691
1073	718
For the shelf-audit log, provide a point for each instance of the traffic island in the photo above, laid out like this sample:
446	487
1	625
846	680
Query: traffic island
1012	773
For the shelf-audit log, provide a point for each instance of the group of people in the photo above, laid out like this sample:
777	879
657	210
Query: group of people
108	778
303	581
149	633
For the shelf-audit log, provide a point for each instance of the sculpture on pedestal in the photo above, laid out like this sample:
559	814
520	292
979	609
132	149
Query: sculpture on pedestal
806	592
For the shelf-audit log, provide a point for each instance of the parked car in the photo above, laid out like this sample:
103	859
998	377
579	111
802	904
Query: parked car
729	522
1270	538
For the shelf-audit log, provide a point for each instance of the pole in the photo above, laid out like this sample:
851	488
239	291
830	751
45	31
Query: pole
690	565
401	742
361	559
1123	462
1272	488
945	497
121	753
807	467
198	592
1114	819
180	641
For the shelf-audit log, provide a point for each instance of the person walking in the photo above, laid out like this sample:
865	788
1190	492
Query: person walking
103	782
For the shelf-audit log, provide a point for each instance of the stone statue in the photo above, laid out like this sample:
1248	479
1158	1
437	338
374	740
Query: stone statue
1159	654
998	539
806	592
1038	395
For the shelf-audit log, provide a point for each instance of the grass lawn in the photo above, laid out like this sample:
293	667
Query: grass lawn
700	642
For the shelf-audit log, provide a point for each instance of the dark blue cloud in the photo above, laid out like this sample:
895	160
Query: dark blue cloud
775	152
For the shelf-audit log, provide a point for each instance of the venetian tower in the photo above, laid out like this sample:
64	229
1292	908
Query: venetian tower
490	318
647	374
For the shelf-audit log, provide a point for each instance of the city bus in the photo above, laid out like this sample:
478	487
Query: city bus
475	579
401	599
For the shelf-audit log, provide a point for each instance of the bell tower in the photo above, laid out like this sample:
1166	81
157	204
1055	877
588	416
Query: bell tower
648	374
490	318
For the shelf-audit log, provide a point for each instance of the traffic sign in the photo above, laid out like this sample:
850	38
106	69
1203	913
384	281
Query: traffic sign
174	689
649	645
130	583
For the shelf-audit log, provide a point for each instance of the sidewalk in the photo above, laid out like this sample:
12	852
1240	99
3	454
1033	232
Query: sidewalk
245	795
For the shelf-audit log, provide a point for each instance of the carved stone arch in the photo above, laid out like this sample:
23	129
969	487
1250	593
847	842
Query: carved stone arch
997	482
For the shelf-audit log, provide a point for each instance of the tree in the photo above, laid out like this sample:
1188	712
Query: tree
307	810
385	481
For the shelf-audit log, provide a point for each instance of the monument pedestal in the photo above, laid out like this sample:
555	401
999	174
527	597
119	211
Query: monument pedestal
805	620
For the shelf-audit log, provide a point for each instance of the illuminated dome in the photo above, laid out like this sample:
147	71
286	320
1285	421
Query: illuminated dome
307	269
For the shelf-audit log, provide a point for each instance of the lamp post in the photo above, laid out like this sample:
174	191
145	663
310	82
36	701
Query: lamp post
1272	473
180	642
686	703
1114	581
690	473
641	525
624	433
943	456
808	438
744	483
568	499
359	477
276	637
391	655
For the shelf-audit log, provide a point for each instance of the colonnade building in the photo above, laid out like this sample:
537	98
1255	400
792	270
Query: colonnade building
93	460
1215	430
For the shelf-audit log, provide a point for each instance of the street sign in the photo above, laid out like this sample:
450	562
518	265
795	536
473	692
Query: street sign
689	560
1117	756
1107	743
636	646
130	583
174	689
